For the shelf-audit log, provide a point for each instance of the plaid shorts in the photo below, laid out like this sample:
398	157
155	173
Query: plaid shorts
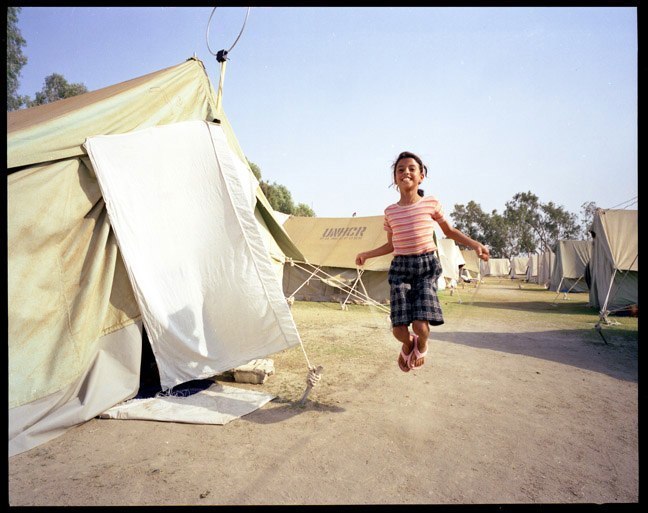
413	296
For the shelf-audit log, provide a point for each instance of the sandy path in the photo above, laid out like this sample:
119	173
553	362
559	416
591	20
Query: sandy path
519	402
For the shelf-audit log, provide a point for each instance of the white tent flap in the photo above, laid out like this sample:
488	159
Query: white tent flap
182	208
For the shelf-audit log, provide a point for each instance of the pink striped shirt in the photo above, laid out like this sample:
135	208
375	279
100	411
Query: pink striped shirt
412	226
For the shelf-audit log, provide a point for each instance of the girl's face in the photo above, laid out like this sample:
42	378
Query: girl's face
407	174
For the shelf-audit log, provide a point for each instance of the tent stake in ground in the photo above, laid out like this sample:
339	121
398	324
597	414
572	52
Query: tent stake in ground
314	376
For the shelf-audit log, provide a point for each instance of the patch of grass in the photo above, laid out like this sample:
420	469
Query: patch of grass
494	299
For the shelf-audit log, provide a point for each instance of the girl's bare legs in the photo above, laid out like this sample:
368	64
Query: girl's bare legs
402	334
422	329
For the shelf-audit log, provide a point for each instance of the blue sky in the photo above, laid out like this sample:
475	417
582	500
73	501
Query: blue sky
496	100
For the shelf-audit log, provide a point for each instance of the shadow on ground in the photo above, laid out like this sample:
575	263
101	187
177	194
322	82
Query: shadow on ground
584	349
287	410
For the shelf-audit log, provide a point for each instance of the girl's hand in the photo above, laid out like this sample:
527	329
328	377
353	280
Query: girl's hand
360	259
482	252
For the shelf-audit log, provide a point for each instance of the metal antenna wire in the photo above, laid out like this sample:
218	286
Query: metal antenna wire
224	52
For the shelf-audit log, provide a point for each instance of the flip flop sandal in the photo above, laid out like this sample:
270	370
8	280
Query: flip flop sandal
406	358
415	355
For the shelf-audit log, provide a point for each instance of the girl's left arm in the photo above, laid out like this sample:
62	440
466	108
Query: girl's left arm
452	233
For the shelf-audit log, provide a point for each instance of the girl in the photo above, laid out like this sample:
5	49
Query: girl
415	268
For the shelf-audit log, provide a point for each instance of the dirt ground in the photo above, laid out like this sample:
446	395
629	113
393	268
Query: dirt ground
521	401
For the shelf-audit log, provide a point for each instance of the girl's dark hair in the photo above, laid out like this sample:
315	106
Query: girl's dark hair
410	155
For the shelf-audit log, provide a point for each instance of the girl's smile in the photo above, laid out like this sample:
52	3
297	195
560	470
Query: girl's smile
408	173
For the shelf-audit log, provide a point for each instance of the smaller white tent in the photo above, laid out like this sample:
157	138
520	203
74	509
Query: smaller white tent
451	258
495	267
519	267
546	262
572	257
472	263
532	269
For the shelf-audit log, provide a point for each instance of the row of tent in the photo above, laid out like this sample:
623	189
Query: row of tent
606	266
564	270
112	197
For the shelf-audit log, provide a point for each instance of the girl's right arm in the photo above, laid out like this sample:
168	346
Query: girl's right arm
385	249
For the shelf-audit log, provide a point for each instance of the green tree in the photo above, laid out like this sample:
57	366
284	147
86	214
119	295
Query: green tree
526	226
16	60
495	235
56	88
536	226
521	215
477	224
279	196
470	219
556	224
304	210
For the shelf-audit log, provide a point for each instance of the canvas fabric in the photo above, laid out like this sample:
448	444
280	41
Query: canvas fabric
332	244
546	263
472	262
67	285
532	269
182	207
518	267
450	258
495	267
572	259
335	241
615	247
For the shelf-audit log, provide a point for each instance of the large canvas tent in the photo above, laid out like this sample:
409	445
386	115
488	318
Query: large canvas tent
614	264
572	258
74	318
329	272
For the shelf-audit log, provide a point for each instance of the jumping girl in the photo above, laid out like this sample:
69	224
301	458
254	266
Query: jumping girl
415	267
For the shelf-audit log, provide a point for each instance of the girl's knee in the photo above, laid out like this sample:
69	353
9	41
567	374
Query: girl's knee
421	328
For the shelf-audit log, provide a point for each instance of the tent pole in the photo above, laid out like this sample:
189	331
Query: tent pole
306	281
352	288
345	287
558	290
603	312
572	287
221	81
363	286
